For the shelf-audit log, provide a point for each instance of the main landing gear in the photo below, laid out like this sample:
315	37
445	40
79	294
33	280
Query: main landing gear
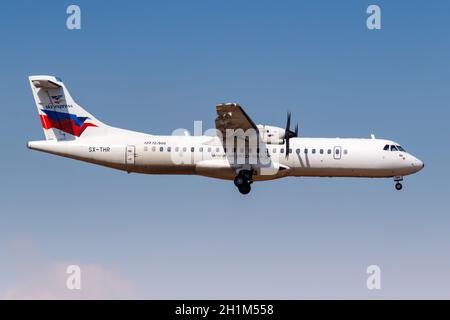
398	185
243	181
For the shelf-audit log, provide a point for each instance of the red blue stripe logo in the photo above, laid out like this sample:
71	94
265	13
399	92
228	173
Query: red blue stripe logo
65	122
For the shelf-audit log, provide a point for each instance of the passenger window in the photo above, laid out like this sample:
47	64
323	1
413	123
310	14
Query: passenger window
161	149
184	149
168	149
393	148
209	149
192	149
329	151
313	151
153	149
306	151
345	151
337	151
177	149
290	150
386	148
200	149
274	150
321	151
297	151
282	150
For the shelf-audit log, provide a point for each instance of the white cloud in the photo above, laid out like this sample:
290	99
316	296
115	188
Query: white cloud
97	282
38	277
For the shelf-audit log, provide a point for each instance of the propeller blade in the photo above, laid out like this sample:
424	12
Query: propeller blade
288	134
288	123
287	147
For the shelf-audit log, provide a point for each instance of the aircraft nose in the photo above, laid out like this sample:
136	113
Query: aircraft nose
418	164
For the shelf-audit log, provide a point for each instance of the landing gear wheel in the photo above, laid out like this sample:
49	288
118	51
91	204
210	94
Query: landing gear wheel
398	186
247	175
243	180
239	181
245	188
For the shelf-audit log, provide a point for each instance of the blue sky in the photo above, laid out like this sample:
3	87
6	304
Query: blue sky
158	66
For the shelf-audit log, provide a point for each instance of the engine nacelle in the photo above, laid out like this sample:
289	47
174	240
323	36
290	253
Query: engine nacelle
271	134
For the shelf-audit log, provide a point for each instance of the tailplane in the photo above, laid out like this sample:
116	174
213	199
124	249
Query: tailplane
61	117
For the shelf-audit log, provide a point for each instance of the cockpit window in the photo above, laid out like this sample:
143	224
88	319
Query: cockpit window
400	148
386	148
393	148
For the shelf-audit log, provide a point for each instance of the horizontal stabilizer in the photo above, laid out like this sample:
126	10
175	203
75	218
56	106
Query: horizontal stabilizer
47	84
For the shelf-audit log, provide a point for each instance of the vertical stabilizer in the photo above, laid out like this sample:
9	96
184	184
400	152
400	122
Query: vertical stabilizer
61	117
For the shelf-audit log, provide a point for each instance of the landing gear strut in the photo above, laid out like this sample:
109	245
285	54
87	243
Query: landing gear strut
398	185
243	180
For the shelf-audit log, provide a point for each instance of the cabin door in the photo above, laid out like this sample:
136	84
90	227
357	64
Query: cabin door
130	155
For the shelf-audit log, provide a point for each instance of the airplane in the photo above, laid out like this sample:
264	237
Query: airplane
238	150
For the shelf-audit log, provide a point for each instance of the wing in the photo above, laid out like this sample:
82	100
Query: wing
232	116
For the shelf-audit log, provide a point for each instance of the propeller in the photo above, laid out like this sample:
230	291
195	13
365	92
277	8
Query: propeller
288	134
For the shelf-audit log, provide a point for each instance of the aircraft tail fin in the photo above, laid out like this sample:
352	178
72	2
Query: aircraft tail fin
61	117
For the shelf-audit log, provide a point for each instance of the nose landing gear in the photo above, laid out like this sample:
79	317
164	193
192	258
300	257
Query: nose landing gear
398	185
243	181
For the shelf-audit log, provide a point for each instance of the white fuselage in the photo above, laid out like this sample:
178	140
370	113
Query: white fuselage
204	155
239	150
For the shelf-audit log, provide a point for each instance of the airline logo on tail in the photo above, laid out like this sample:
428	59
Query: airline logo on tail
65	122
58	99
